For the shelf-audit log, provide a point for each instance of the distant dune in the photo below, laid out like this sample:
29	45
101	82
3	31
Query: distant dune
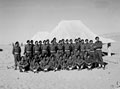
115	36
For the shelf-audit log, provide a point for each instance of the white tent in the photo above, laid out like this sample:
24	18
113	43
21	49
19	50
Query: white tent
70	30
40	36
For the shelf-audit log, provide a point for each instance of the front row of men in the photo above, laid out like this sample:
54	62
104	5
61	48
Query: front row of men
56	56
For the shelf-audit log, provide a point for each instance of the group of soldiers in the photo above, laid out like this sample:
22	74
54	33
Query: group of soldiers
61	55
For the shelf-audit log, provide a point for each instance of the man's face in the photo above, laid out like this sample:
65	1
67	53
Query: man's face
67	41
40	42
86	41
71	41
97	39
28	43
36	43
17	45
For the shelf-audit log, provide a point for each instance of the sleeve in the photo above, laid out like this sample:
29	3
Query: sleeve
33	49
20	49
25	49
13	51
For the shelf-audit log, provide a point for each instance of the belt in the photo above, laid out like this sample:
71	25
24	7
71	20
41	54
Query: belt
28	51
36	51
98	49
52	51
67	50
44	50
16	53
91	51
82	50
60	50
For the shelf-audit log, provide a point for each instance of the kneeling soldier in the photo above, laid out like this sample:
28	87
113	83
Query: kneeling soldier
23	65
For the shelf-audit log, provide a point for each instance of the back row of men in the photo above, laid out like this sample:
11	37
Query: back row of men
85	49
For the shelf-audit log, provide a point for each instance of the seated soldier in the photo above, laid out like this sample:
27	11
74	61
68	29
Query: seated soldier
23	64
44	63
34	65
79	62
73	59
69	63
64	62
52	63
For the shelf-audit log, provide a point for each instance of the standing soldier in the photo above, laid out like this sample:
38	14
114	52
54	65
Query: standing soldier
53	48
44	49
71	46
98	52
77	46
17	54
67	48
48	46
82	49
86	48
31	42
40	45
36	49
60	48
91	53
28	51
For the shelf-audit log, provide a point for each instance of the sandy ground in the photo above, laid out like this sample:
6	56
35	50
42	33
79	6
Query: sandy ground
95	79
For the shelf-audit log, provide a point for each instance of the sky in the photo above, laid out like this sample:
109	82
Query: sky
22	19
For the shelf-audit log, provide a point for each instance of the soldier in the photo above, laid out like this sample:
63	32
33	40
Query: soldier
23	64
31	42
67	48
76	46
86	45
36	49
71	46
70	62
53	48
98	52
52	63
40	44
60	48
82	49
17	54
91	54
79	62
48	47
44	49
28	51
34	65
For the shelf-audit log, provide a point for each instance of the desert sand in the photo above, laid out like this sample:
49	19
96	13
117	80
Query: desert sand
84	79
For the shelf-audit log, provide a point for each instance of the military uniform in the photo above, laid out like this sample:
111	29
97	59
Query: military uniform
76	46
60	49
23	65
36	50
17	55
71	47
28	50
82	51
98	51
44	50
32	45
67	49
53	49
34	65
